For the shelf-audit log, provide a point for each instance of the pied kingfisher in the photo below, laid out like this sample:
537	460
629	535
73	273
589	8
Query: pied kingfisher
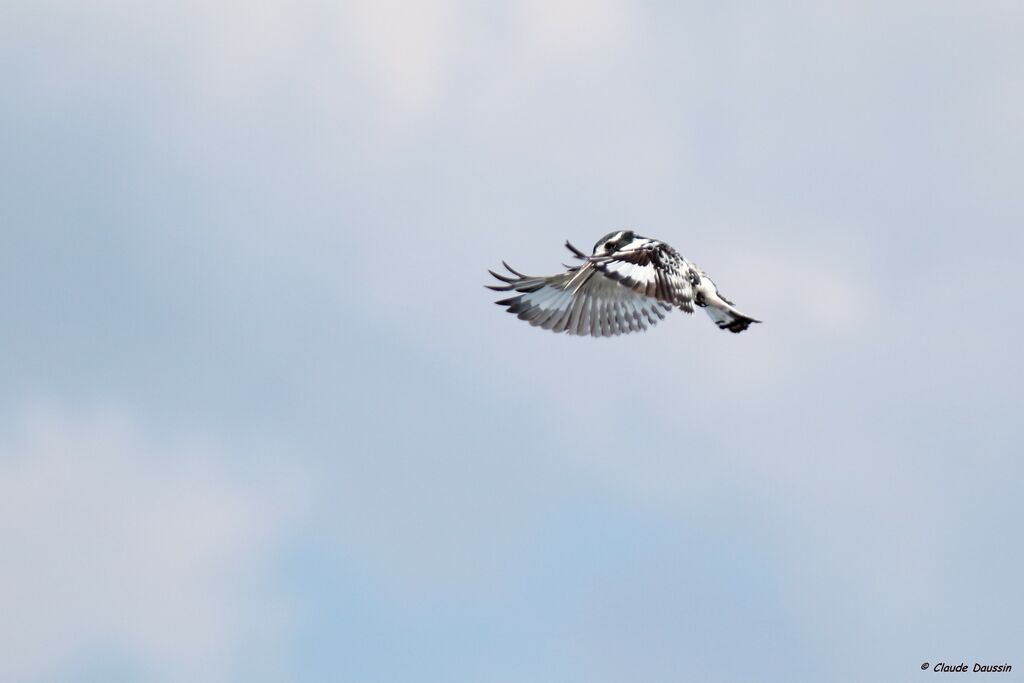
627	283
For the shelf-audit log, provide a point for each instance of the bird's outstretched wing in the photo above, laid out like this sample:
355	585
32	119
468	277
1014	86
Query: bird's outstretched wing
596	298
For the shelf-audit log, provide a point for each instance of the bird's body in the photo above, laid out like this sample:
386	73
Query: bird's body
628	283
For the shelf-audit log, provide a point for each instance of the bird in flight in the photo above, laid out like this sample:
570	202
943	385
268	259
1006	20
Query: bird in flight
628	283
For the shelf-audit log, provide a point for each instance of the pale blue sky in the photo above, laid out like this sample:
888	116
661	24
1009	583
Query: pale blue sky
259	420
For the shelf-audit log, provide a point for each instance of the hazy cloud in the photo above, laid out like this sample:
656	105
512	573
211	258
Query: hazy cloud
120	544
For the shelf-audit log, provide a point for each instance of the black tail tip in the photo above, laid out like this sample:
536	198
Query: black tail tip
738	325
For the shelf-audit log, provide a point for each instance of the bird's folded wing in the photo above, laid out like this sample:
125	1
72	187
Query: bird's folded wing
582	301
648	272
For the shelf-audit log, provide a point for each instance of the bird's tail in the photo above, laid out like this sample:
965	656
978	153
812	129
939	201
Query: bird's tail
722	311
728	318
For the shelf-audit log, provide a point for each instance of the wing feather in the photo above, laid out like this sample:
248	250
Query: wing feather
584	300
654	270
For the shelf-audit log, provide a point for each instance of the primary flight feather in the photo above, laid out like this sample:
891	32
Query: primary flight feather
627	284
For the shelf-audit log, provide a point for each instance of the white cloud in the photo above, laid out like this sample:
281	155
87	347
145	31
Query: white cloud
399	50
574	26
116	542
404	46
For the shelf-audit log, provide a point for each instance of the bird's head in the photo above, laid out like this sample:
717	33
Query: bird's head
615	241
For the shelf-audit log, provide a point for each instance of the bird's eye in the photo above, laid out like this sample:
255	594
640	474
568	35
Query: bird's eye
610	246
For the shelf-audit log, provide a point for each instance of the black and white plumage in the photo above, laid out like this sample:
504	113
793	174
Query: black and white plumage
627	284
